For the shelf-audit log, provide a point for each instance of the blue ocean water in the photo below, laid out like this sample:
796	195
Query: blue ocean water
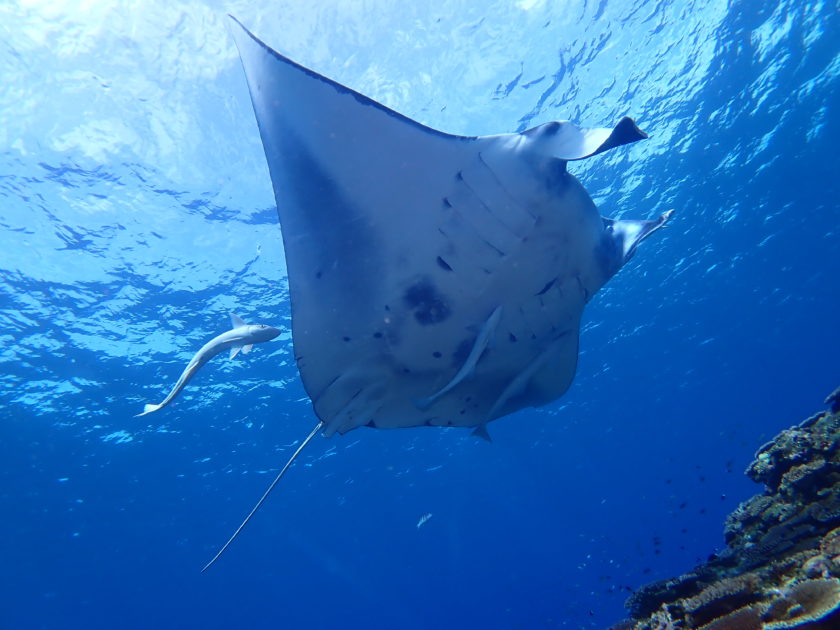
136	211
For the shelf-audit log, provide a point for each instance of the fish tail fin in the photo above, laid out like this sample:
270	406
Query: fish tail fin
148	409
253	511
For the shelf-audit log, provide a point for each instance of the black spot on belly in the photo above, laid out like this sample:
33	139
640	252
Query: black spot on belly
443	264
346	338
377	335
512	337
428	305
372	424
436	354
446	203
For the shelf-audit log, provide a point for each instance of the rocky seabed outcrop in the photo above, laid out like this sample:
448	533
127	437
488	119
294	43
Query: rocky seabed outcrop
781	566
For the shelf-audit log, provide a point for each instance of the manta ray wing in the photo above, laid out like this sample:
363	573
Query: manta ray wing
402	242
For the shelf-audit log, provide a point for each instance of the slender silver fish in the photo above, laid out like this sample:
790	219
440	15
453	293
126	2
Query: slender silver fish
241	337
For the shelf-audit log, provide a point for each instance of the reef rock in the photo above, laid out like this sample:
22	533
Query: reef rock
781	567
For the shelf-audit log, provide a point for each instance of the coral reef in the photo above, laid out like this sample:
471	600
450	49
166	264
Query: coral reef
781	567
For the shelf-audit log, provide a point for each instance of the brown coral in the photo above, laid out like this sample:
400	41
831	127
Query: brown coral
720	599
816	566
830	544
798	476
804	602
747	618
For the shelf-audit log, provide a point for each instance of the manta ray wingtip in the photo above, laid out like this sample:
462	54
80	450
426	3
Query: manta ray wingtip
481	432
627	124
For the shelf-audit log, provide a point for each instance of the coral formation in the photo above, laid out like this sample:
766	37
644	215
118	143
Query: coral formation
781	567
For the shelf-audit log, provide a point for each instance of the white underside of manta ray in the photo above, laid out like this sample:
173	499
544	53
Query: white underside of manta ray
435	279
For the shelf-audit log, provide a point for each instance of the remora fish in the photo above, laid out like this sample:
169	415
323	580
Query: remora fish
241	337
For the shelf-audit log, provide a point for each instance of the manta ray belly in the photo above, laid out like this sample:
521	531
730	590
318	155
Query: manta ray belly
541	276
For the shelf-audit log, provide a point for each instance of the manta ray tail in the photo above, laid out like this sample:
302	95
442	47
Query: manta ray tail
265	495
148	409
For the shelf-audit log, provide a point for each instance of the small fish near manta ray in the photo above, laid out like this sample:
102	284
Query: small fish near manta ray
241	337
435	279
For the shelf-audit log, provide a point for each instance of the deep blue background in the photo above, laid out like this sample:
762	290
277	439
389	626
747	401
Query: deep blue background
135	211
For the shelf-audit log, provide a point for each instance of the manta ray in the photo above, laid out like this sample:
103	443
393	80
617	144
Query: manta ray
435	279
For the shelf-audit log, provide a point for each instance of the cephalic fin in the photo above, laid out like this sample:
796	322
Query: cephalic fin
265	495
